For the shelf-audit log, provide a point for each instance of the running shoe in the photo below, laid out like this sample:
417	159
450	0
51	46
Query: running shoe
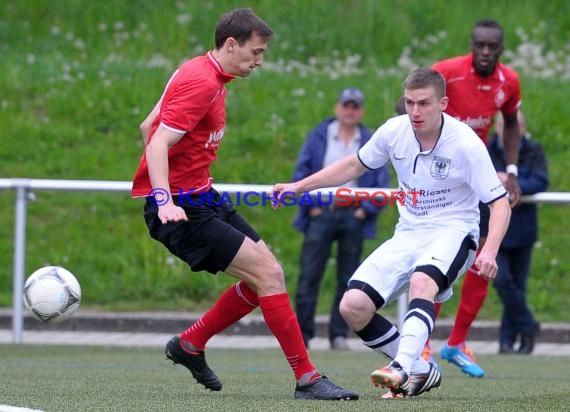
418	384
463	357
195	362
323	389
392	377
424	382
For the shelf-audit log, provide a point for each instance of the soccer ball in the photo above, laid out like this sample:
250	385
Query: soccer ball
52	294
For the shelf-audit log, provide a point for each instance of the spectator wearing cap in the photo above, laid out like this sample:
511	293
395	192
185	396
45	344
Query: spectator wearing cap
323	225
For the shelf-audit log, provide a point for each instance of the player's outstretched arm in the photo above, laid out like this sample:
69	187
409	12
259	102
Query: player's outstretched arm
334	175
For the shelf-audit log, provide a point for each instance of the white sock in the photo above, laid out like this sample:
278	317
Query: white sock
415	333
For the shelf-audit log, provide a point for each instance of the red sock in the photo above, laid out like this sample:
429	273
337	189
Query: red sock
231	306
437	310
473	294
282	322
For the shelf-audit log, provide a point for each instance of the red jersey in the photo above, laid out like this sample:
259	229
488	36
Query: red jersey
193	103
475	99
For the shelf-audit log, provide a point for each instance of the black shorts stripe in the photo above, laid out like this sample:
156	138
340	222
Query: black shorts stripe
444	281
369	290
462	255
437	275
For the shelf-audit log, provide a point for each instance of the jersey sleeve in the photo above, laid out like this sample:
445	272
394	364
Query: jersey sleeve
374	154
514	99
442	67
481	174
184	105
437	66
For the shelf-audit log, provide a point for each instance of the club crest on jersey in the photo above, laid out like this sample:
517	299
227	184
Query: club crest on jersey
440	167
500	98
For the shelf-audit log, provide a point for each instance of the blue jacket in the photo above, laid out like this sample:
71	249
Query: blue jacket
310	161
533	178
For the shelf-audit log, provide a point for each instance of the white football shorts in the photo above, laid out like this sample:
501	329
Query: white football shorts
388	269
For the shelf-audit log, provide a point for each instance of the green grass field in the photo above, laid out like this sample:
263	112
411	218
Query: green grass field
118	379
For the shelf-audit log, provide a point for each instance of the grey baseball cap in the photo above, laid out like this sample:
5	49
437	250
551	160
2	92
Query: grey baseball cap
351	94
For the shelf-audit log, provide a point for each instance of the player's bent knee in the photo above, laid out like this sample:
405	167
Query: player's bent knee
356	307
346	311
423	286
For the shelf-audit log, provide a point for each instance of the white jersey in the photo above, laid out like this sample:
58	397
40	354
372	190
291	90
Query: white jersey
442	186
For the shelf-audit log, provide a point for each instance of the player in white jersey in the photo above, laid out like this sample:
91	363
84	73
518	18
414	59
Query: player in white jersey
443	170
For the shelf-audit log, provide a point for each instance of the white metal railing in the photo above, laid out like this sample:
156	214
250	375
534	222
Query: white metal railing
24	193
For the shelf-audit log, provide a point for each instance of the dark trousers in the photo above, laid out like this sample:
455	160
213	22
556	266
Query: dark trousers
332	225
510	283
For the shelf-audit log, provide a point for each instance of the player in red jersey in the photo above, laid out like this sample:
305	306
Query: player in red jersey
182	210
478	87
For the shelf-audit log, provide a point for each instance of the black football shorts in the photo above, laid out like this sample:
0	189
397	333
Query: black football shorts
211	237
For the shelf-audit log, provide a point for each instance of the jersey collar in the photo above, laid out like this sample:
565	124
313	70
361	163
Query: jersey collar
225	77
436	141
497	72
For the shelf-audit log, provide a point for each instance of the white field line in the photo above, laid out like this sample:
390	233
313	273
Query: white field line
8	408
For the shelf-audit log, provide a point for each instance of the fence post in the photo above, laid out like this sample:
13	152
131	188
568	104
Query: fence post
19	262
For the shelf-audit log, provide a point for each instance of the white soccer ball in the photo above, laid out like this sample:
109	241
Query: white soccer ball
52	294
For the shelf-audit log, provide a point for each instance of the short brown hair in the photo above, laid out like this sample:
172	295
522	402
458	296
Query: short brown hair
423	78
240	24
